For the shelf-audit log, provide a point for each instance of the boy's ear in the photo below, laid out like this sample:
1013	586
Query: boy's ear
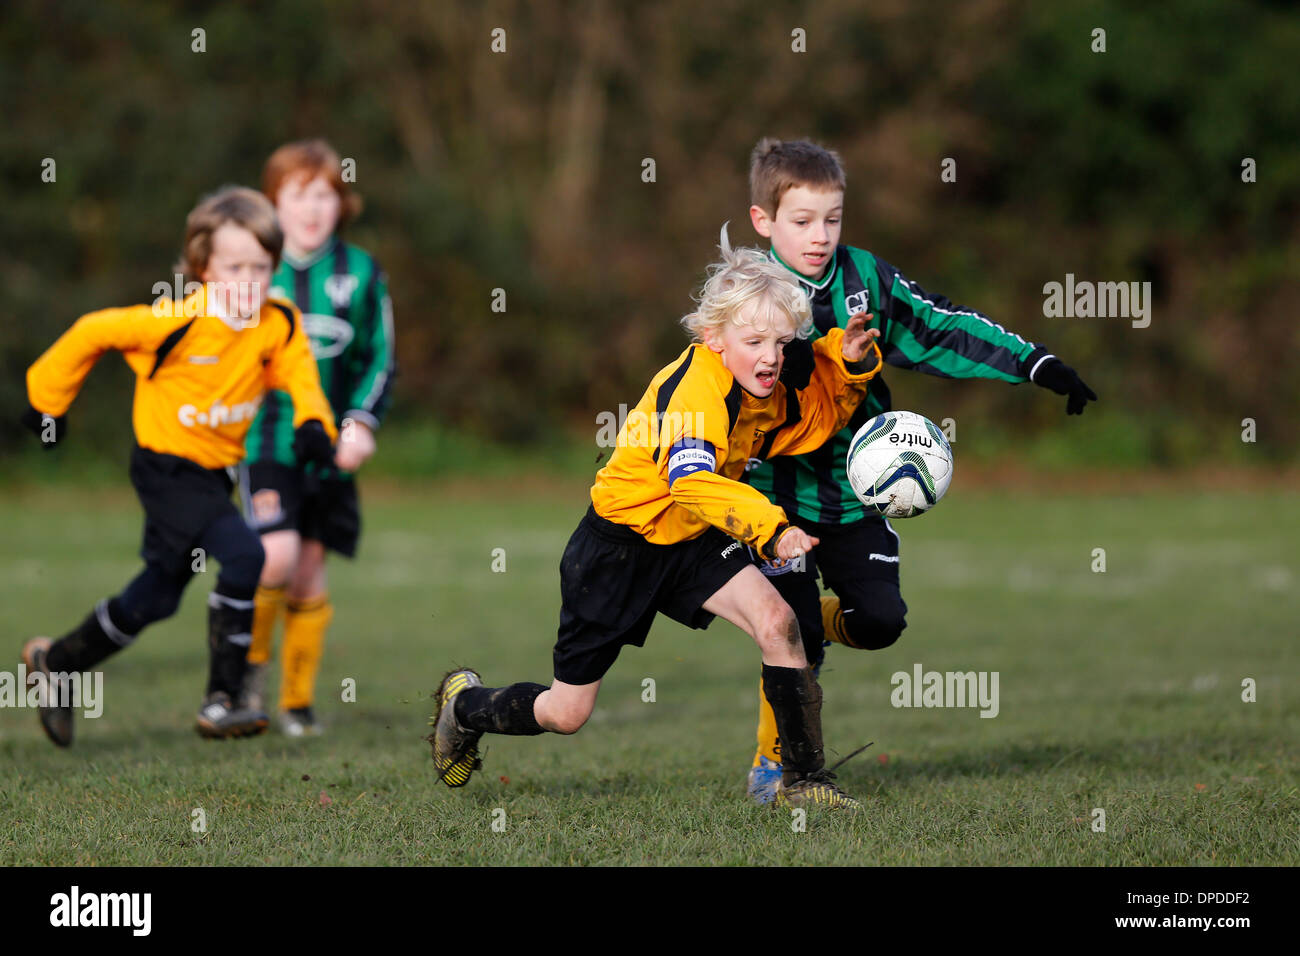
761	222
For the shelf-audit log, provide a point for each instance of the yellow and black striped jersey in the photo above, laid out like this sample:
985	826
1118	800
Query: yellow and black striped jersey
199	379
683	449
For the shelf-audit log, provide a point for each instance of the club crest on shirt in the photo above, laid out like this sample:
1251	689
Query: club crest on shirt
857	302
329	334
266	507
340	288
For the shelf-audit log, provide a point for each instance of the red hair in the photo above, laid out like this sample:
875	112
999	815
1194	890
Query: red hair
309	158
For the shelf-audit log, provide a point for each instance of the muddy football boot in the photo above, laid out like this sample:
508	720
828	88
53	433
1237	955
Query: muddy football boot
219	718
455	749
815	789
55	720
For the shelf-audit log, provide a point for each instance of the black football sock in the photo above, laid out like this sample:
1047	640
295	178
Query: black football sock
230	627
100	635
796	700
499	710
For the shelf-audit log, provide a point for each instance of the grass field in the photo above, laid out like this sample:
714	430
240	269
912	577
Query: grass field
1118	690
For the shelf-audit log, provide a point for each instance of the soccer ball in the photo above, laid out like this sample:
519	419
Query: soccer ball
900	464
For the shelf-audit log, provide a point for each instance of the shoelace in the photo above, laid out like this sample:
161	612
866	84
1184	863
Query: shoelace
843	760
827	774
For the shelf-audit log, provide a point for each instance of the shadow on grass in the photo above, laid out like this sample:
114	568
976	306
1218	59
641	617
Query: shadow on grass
155	740
1169	753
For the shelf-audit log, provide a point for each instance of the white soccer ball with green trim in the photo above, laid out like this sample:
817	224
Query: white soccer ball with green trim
900	464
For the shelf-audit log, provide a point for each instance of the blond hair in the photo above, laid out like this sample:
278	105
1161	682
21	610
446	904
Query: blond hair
776	166
238	204
745	275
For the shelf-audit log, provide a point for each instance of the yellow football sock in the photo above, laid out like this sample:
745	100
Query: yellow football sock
769	745
266	608
833	622
304	640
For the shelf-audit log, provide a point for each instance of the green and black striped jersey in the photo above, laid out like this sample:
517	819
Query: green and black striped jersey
918	330
348	316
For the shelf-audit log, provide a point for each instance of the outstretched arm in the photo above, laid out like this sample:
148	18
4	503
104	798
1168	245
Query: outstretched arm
55	378
927	332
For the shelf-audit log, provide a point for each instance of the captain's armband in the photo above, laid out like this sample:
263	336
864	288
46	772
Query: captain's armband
689	455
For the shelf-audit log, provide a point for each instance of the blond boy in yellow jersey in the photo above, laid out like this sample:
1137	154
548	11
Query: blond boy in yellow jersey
670	518
202	366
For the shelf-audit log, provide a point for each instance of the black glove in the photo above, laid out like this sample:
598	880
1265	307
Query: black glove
310	443
1063	380
797	367
35	421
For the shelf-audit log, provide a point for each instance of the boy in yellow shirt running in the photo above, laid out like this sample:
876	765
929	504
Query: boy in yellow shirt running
202	366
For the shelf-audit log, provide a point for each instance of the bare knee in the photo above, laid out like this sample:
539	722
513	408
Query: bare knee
567	721
308	578
561	716
282	549
777	631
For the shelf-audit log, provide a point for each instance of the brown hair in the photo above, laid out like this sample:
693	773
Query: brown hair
309	158
238	204
776	166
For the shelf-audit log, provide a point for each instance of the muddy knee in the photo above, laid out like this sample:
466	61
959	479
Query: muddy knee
778	628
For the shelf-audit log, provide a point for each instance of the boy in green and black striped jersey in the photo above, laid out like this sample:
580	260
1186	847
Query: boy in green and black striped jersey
797	196
302	511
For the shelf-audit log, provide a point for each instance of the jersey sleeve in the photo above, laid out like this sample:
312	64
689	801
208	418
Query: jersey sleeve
55	378
370	395
927	332
292	368
738	509
826	405
694	442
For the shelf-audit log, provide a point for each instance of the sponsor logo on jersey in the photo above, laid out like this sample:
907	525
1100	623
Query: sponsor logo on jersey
203	360
218	414
857	302
734	546
329	334
887	558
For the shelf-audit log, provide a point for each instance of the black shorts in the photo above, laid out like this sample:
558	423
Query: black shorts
613	582
279	498
180	499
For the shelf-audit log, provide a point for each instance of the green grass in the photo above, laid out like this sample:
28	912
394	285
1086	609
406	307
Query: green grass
1119	690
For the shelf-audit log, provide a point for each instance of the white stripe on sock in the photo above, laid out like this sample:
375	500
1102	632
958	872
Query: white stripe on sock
106	622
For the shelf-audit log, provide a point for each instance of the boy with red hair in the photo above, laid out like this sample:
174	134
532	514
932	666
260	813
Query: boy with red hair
300	509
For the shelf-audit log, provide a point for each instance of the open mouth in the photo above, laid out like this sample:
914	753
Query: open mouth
815	258
766	379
